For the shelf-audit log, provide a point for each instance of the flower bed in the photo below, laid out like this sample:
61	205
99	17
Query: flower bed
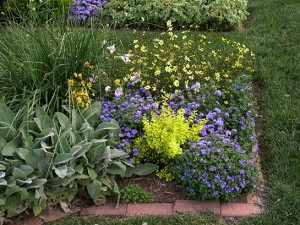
180	103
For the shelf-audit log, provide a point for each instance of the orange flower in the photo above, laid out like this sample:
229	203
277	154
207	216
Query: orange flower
71	82
92	67
79	100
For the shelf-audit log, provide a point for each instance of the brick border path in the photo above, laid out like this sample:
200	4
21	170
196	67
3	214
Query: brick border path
224	210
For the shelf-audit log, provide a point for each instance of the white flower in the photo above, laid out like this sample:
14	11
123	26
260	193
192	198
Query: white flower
135	77
107	89
125	58
111	49
119	92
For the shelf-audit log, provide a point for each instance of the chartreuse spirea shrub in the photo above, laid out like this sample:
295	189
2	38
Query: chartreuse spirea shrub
215	168
174	60
48	158
167	132
216	14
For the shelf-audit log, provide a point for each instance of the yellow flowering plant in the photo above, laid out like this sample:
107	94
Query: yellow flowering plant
80	93
174	60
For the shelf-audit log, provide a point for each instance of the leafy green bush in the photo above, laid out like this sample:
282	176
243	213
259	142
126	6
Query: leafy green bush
45	158
215	168
165	133
134	193
217	14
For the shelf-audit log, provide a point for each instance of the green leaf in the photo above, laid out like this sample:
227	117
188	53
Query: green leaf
37	183
61	171
80	152
2	174
91	114
3	182
10	148
63	120
12	189
79	168
145	169
94	189
26	169
2	167
31	160
19	174
92	173
115	153
76	120
2	201
37	209
6	115
62	158
116	170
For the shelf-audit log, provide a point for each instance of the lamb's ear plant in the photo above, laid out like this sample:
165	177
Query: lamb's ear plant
45	158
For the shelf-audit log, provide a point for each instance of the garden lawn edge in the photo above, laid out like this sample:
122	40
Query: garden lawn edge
254	205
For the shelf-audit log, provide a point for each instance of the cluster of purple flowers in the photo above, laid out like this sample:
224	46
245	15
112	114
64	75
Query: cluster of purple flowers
85	9
215	168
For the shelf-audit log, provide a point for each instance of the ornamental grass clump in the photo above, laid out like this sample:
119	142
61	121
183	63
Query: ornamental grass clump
215	168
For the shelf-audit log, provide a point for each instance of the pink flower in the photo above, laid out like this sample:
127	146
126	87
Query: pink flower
107	89
125	58
119	92
111	49
92	78
135	77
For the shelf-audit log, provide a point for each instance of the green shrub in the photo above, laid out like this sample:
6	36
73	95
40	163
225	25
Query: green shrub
13	9
217	14
215	168
166	133
134	193
45	158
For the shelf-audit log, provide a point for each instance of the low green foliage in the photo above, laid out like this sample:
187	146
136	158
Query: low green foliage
214	14
47	158
134	193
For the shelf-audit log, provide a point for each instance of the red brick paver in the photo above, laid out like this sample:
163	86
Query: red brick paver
55	214
105	210
192	206
239	209
253	199
30	220
163	209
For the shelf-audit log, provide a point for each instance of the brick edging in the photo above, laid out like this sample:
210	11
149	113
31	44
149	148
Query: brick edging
253	206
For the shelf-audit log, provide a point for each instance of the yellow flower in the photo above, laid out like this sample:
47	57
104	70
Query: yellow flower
93	94
79	100
80	76
87	64
87	105
71	82
75	75
89	85
82	104
176	83
74	93
143	48
82	83
92	67
117	81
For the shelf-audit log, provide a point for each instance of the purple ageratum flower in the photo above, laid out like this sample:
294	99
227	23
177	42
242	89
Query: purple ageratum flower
196	86
218	93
